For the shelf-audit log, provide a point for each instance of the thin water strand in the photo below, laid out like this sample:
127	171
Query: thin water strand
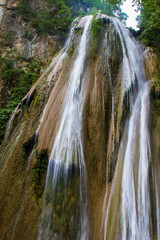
136	225
10	123
132	57
128	208
144	214
9	148
62	55
157	210
56	65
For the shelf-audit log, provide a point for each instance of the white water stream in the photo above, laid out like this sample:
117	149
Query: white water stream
56	65
2	5
67	148
135	224
135	203
132	57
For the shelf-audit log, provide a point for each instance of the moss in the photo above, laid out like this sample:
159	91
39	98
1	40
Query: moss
95	33
39	173
155	237
115	56
36	98
65	219
71	50
25	116
47	65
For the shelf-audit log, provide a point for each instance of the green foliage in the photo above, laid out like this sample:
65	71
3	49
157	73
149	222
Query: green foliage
39	173
18	82
6	39
52	20
8	72
25	10
149	22
57	18
63	18
95	32
155	89
99	4
44	22
108	7
4	115
36	98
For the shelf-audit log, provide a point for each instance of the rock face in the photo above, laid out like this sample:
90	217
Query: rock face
24	38
107	97
22	42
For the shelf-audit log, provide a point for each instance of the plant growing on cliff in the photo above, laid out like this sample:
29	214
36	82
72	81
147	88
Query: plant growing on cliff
4	115
53	20
8	72
6	39
17	83
25	10
39	173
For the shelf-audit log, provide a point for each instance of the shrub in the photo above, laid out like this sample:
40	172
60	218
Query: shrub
4	116
18	82
49	21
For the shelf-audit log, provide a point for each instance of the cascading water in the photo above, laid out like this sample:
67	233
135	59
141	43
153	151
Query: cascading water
56	65
135	220
61	56
131	229
67	156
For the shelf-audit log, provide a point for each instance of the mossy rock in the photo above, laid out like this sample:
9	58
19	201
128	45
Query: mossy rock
64	203
95	36
39	173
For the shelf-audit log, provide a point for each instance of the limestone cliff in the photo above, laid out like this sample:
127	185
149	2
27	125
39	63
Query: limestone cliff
22	47
109	81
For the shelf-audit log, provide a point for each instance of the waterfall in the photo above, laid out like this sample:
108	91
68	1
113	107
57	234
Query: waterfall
135	217
140	229
87	118
143	174
67	152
